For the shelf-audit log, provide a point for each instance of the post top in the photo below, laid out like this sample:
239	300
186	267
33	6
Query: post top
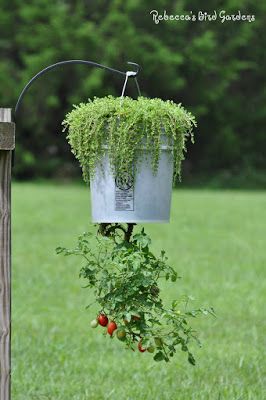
5	114
7	130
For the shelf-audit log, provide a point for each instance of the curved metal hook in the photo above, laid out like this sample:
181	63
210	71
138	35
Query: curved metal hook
136	65
135	75
61	63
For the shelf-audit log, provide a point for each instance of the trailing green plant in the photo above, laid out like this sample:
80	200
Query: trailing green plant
124	275
127	126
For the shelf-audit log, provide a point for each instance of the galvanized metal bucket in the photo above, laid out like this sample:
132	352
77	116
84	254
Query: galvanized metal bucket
147	200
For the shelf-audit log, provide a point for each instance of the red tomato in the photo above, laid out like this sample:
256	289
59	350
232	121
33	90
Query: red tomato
141	349
102	319
111	327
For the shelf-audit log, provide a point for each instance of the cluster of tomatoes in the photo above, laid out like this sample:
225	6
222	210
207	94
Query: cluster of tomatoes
102	320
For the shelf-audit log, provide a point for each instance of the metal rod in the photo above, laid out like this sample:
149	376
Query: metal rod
60	63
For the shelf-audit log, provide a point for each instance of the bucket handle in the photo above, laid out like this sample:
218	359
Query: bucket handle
128	74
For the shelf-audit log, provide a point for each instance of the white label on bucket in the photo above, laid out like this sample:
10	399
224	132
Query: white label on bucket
124	193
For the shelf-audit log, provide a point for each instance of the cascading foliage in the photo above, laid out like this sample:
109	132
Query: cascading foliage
126	126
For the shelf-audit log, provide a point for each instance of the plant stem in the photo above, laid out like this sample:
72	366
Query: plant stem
109	229
129	231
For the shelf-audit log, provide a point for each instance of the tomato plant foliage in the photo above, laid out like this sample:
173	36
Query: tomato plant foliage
125	278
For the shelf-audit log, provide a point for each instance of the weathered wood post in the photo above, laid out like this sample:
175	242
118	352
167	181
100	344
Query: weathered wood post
7	144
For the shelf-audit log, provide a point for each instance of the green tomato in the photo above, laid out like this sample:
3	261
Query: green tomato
121	334
94	323
158	341
151	349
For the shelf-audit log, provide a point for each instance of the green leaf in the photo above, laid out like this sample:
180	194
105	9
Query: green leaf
159	356
174	277
191	359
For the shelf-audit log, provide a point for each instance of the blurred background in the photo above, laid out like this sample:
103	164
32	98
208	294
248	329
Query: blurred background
217	70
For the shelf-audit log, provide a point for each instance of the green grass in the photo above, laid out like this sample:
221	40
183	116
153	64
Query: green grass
216	240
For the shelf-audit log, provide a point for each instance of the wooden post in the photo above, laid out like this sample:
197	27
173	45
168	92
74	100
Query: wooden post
7	144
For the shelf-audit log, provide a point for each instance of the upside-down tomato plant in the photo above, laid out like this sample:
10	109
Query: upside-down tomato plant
125	276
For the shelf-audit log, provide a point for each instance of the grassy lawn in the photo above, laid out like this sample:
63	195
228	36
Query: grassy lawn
216	241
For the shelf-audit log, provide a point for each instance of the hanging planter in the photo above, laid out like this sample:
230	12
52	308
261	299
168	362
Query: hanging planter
130	151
